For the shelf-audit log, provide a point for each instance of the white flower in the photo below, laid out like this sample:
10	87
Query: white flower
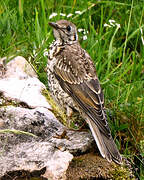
118	25
84	32
80	30
85	37
69	15
78	12
106	25
52	15
61	14
112	22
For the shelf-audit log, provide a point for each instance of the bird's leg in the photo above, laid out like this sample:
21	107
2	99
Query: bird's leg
70	114
69	111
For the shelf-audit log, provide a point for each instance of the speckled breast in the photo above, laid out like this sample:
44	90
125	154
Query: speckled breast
62	98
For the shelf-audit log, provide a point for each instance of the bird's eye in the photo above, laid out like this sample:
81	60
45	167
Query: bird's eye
68	28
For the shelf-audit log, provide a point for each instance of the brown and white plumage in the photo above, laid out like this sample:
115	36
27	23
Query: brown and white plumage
75	73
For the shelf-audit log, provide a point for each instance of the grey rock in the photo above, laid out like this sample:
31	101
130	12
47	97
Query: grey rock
20	84
23	152
39	121
75	142
35	156
28	91
17	67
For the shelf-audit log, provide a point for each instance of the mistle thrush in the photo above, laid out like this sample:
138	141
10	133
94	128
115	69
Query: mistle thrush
73	82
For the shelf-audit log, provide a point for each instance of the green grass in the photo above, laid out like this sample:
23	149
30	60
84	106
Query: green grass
118	54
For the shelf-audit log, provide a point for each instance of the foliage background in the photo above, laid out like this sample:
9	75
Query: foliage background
117	51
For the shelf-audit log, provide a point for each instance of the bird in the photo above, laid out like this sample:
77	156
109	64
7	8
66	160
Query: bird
74	83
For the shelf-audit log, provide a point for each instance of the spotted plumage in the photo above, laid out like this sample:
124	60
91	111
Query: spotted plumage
73	83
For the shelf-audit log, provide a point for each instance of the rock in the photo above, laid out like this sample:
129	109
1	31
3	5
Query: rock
55	152
35	156
27	153
18	67
17	84
74	142
39	121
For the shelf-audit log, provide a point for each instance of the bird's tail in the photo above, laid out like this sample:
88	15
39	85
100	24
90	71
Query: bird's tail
105	145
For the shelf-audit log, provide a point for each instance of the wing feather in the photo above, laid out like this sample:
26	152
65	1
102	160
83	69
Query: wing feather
88	100
77	76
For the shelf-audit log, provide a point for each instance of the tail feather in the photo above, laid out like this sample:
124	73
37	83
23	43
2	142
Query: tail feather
112	149
105	145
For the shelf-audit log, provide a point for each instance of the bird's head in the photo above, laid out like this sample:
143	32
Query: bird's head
64	31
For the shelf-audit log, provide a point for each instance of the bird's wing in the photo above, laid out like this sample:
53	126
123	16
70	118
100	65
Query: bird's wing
84	87
76	75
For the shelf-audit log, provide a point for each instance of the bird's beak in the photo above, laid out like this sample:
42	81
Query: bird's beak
54	25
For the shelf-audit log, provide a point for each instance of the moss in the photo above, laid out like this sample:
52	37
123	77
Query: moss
92	166
75	121
5	102
58	112
121	172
